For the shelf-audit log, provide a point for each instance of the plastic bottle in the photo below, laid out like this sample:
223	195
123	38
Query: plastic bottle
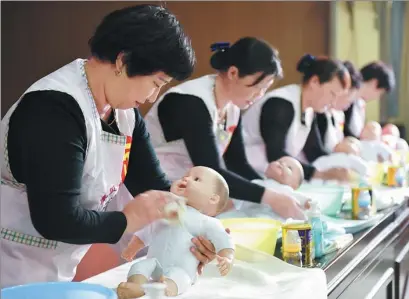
292	249
317	229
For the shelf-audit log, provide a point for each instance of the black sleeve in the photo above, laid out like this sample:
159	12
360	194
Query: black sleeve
235	156
347	123
276	117
322	123
144	171
187	117
314	147
47	144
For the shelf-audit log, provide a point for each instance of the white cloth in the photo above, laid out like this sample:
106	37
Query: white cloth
371	149
173	156
170	244
263	276
27	257
296	135
358	115
342	160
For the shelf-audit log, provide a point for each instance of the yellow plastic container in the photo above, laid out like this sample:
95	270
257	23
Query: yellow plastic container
253	233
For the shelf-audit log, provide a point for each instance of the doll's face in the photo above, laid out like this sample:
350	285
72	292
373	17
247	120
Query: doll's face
199	186
287	171
348	147
371	131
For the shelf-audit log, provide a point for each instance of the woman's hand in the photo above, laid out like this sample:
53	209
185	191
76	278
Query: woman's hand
145	209
284	205
204	251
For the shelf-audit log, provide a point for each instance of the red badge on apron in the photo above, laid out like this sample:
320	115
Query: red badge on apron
126	157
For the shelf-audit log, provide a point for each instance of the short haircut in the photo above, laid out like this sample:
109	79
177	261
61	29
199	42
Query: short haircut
380	72
150	38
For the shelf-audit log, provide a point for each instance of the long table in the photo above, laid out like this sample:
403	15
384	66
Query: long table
374	265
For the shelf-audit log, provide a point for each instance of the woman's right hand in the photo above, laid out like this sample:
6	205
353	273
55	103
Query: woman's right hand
145	208
333	174
284	205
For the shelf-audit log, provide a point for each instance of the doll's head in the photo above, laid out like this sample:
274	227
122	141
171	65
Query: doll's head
402	145
391	129
371	131
348	145
287	171
205	190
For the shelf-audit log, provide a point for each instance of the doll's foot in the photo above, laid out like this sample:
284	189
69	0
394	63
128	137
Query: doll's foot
128	290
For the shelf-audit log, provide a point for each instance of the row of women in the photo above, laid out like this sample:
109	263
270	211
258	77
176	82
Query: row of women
66	183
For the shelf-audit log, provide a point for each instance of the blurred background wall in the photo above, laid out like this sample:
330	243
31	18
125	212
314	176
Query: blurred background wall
39	37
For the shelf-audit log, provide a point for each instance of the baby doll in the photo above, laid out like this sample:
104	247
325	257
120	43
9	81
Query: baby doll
372	148
285	175
286	171
371	131
346	155
169	259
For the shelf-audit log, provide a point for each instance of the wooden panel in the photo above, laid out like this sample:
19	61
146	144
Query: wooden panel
38	37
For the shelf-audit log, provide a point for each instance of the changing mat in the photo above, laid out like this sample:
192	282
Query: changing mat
263	276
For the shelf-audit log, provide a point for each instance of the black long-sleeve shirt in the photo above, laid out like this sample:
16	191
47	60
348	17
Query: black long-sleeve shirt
276	117
187	117
348	120
47	143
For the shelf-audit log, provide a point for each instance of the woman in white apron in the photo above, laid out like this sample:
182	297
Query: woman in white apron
331	122
198	122
74	137
378	78
279	124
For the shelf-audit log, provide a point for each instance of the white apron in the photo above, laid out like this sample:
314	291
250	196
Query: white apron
26	256
296	136
173	156
334	133
357	121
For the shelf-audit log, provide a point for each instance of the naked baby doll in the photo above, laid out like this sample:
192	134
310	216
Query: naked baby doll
346	155
372	148
286	171
285	175
169	259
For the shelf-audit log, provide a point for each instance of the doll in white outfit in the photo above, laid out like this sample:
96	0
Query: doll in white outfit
346	155
372	148
169	259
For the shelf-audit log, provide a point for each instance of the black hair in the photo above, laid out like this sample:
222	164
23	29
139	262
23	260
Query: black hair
250	55
356	77
324	68
380	72
151	39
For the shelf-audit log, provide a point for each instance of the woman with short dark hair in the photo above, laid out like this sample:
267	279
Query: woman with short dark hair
75	136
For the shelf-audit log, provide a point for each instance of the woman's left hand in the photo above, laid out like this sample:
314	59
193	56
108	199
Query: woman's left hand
204	251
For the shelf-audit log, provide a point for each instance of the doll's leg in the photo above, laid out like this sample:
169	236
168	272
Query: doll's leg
138	275
177	281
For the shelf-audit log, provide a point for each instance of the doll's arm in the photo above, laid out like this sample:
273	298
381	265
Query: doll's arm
134	246
223	243
225	258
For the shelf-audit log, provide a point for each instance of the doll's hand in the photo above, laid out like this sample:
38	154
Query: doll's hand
204	251
224	264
